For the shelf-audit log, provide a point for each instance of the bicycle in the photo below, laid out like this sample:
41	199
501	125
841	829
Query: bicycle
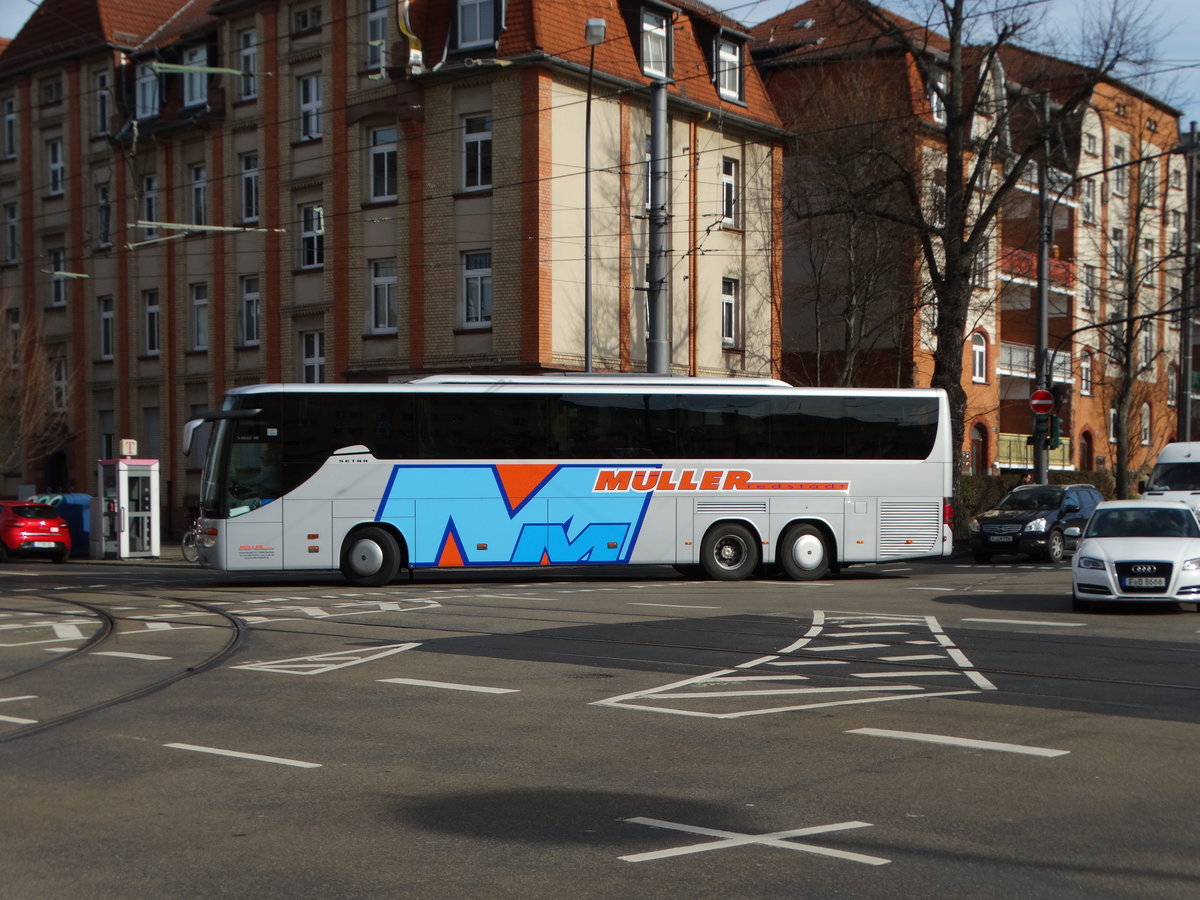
188	543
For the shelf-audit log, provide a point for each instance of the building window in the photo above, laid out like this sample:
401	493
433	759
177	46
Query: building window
937	92
199	327
248	63
1091	281
312	236
106	330
978	358
249	192
59	378
310	107
149	204
1117	252
108	443
1148	185
103	103
1172	385
1149	261
1112	425
477	288
249	314
146	89
1087	200
729	69
981	266
1144	434
50	92
195	84
383	295
1176	178
12	326
729	311
1147	344
1175	235
307	18
58	284
654	44
1085	374
55	166
383	163
1120	176
729	192
312	357
10	127
377	46
477	152
12	233
151	315
1089	143
476	22
199	195
103	216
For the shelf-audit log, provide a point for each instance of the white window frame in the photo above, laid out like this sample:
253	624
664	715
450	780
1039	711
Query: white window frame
198	194
106	331
12	233
312	236
151	322
1144	417
937	105
307	18
308	95
1091	280
1085	374
476	309
199	311
1172	385
1149	260
103	216
10	127
1116	262
103	103
979	356
58	284
250	311
376	33
383	295
729	192
1120	176
730	289
56	167
249	184
656	48
477	151
1087	200
149	203
476	22
147	93
195	84
248	63
1112	425
383	164
312	357
729	69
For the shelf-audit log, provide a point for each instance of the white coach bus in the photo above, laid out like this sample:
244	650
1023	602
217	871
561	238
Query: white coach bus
721	475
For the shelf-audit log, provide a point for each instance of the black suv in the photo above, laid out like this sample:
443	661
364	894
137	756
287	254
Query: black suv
1033	519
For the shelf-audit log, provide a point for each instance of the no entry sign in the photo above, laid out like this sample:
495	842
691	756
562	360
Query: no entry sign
1041	401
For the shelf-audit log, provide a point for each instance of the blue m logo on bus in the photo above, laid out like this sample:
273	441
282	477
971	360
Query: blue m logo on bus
519	514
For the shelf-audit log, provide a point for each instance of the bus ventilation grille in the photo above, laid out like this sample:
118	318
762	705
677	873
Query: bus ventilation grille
716	506
909	528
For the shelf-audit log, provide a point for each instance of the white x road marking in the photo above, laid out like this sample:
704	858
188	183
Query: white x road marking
727	839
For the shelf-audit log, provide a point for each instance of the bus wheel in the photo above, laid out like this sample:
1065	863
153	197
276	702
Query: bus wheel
729	552
803	553
370	558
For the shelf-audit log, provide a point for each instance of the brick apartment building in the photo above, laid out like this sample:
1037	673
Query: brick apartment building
198	194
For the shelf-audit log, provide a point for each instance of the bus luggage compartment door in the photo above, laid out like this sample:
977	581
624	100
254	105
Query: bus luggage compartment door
254	540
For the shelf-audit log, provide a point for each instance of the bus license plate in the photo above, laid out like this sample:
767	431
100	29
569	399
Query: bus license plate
1145	582
1000	537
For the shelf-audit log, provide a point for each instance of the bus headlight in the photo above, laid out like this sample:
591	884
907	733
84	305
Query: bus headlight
1038	524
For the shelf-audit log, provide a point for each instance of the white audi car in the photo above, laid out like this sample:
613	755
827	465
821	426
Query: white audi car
1138	550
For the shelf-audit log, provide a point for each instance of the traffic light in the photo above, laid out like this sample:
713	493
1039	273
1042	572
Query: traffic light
1055	440
1041	430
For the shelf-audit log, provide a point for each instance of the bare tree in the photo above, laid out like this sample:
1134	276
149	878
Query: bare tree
33	400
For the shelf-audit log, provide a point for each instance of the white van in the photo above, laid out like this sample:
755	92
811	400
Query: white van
1176	474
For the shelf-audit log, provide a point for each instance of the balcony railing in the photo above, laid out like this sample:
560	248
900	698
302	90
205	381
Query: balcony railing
1018	360
1023	264
1013	452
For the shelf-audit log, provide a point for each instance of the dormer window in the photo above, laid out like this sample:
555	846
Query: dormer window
654	44
476	22
729	69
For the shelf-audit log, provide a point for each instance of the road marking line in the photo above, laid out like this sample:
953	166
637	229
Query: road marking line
907	673
959	657
959	742
18	721
128	655
22	697
933	589
675	605
841	647
450	686
812	662
240	755
735	839
1030	622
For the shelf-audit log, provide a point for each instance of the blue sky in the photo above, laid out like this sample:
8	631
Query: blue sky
1174	23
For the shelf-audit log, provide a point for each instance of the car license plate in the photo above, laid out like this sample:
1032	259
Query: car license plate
45	545
1145	582
1000	537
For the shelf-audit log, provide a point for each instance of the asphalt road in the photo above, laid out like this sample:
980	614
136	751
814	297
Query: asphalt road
906	730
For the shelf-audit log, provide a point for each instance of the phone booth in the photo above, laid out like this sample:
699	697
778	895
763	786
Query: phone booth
125	515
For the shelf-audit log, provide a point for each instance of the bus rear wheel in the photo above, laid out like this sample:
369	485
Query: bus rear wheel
370	558
729	552
803	553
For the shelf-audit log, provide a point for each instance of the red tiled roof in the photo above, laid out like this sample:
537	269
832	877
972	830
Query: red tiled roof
843	29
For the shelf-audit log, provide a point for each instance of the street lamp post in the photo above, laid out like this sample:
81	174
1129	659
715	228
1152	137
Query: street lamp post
594	34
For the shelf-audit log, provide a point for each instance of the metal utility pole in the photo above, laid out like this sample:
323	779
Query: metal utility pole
658	346
1043	377
1190	146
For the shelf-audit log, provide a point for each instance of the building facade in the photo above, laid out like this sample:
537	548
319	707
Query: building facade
199	195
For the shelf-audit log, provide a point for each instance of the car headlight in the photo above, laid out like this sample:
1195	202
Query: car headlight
973	526
1038	524
1191	565
1090	562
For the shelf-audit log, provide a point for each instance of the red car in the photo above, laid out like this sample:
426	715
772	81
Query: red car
33	529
